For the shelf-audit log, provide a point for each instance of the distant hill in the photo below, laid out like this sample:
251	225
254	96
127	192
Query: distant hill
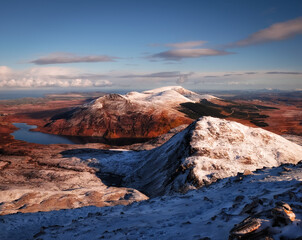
134	115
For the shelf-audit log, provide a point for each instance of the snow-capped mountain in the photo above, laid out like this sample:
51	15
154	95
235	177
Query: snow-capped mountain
208	150
134	115
171	96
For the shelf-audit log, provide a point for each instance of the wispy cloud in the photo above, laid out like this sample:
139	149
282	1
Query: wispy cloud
178	54
177	76
251	73
61	58
276	32
189	44
285	73
171	74
82	75
184	50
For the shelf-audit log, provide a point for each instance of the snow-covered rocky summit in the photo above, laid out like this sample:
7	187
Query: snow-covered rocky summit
167	97
209	149
170	96
223	148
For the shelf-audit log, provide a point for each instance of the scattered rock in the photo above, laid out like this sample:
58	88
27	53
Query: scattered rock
266	224
247	172
207	199
251	208
239	198
246	227
282	214
286	169
3	164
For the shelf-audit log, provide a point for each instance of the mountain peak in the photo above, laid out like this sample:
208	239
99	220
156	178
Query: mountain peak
209	149
166	96
162	89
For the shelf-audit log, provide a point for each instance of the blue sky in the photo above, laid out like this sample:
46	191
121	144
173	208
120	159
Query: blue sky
146	44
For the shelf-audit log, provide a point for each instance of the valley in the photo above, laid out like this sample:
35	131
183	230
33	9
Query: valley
165	157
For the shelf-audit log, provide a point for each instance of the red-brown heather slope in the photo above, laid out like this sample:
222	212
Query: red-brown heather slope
114	116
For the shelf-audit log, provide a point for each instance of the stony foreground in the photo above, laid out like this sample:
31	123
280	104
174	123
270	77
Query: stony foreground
41	179
214	212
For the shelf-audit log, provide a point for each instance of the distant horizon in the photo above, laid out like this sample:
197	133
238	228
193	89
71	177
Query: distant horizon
133	44
11	94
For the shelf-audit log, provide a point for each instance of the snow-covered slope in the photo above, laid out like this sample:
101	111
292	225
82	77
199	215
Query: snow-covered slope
44	181
168	96
209	213
207	150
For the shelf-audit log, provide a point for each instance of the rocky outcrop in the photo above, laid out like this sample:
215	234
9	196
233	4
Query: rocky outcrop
266	224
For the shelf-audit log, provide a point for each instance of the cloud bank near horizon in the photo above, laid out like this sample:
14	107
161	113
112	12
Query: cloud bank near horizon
62	77
45	77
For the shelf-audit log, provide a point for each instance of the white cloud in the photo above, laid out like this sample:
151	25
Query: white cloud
276	32
5	71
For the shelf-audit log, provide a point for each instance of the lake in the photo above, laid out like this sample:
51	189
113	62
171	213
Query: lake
24	133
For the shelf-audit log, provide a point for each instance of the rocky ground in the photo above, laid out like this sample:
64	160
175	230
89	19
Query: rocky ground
41	179
265	204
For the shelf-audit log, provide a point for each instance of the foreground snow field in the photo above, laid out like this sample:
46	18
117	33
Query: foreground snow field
208	213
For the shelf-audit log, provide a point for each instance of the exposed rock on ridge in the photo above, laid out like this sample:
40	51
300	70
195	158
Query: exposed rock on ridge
209	149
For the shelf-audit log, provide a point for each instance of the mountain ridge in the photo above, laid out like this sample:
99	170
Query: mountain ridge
207	150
